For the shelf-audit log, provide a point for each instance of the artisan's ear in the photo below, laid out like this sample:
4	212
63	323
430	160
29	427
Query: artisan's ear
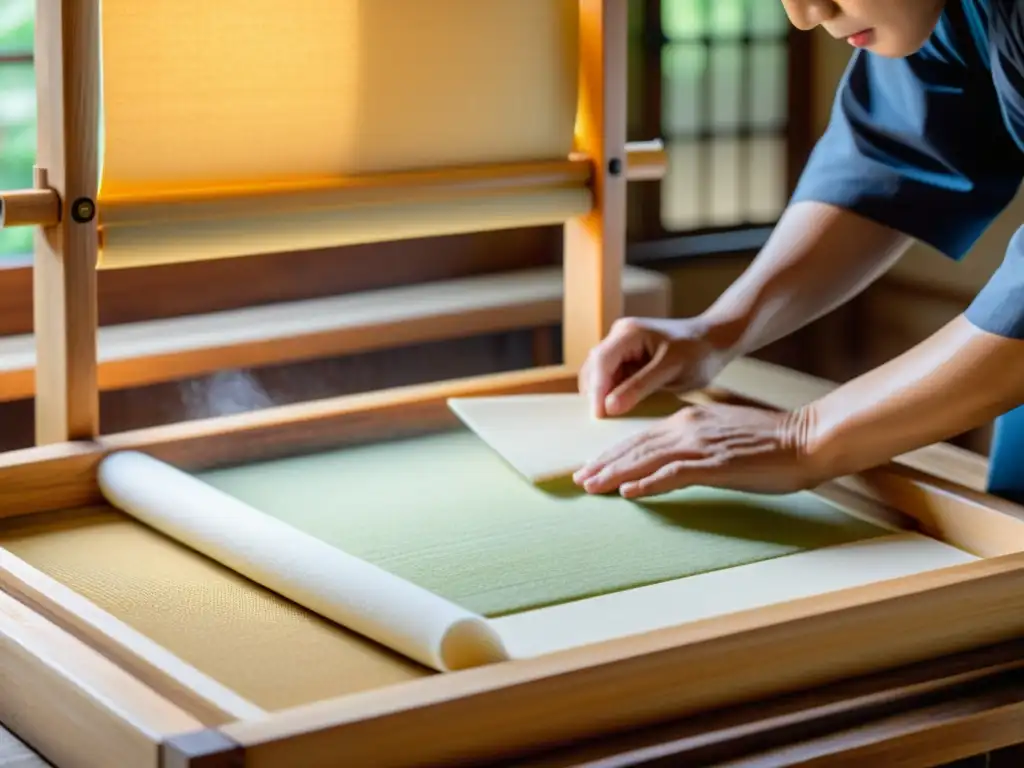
547	437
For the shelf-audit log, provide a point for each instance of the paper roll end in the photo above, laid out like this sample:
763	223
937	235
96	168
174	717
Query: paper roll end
471	642
117	467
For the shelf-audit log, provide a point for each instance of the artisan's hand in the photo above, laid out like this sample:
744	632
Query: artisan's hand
725	446
642	356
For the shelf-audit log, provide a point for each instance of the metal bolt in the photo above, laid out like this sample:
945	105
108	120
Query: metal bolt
83	210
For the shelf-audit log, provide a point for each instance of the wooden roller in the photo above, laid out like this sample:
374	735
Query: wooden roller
164	226
645	161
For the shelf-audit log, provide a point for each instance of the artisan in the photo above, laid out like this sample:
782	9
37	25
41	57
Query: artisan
925	143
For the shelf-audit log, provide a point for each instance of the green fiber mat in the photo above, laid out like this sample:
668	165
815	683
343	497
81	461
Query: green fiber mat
447	513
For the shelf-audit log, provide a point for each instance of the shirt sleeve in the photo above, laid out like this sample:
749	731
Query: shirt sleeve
919	145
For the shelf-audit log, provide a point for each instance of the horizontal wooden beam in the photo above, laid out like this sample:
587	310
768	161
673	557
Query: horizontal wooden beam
886	712
139	354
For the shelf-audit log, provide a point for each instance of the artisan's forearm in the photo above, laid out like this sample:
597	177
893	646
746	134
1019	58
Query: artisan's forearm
958	379
817	258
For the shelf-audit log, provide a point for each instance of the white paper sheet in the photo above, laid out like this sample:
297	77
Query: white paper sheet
545	437
707	595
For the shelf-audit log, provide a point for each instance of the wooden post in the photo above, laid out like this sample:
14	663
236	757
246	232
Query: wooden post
67	77
595	244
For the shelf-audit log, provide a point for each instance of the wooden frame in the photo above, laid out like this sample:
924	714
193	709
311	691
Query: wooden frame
133	702
671	673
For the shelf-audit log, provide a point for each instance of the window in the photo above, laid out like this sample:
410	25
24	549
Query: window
724	84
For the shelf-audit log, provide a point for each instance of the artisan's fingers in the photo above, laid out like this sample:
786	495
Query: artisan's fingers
638	463
618	450
672	476
649	379
609	362
733	465
604	366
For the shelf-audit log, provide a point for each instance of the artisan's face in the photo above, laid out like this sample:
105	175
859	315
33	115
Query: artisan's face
892	28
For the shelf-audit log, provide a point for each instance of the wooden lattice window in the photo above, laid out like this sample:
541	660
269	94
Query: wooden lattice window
725	84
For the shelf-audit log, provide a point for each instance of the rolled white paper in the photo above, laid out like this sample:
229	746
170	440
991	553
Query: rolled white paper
352	592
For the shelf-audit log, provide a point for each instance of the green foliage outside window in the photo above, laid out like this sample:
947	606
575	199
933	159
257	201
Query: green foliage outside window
17	113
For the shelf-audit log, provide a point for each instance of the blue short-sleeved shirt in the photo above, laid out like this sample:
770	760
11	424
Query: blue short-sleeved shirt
932	145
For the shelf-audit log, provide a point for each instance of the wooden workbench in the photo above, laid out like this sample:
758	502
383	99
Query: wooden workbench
929	714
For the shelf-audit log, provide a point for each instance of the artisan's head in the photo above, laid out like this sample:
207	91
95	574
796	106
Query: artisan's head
892	28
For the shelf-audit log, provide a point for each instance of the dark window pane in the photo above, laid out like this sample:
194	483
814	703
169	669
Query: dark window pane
635	9
635	86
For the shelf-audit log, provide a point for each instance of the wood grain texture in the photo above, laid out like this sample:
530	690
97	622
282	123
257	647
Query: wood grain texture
876	709
67	83
494	712
139	354
202	287
962	727
980	523
595	244
186	687
72	704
